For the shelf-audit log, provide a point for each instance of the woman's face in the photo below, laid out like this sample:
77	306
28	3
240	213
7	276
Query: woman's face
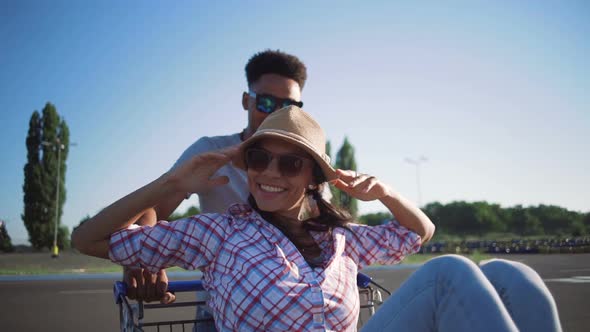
273	191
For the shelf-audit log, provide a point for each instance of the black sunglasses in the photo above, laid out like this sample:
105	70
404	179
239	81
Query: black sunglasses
290	165
269	103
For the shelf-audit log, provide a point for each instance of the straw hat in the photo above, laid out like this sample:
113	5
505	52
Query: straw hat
293	125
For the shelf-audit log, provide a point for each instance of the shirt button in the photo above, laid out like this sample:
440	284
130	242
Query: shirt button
318	318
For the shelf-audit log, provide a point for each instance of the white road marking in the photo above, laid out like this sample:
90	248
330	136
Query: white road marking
571	280
575	270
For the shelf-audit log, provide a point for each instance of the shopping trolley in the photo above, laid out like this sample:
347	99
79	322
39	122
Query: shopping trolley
132	313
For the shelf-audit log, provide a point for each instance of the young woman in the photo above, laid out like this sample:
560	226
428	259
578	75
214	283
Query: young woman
288	260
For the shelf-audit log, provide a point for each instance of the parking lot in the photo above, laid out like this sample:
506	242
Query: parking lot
75	305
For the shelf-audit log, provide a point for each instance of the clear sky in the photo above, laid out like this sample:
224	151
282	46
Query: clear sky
494	93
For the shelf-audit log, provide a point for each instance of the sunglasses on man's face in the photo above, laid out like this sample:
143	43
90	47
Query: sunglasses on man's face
290	165
269	103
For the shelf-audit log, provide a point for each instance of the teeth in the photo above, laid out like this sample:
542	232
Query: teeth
271	188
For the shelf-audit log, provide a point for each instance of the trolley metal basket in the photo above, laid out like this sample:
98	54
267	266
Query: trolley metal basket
132	314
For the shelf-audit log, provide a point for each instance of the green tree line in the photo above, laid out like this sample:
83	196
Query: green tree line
476	219
479	219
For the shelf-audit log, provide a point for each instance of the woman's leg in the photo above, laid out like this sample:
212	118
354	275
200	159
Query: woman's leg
524	295
448	293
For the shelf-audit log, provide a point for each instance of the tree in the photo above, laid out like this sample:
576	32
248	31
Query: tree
333	189
522	222
47	133
191	211
35	203
433	210
345	160
488	218
63	237
374	219
463	219
556	220
5	241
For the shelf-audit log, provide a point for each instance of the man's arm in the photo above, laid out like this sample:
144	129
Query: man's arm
141	284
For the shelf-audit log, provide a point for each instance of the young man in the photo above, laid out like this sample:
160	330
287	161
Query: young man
275	80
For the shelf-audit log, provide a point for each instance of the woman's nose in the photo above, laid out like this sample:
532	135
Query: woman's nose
273	167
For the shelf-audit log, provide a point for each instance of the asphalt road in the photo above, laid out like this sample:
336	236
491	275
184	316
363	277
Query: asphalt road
87	305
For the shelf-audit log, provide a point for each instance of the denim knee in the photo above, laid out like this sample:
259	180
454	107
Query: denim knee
451	263
517	272
521	288
452	271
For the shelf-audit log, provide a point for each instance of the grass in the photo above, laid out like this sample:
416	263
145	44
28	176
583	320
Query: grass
422	258
42	263
70	262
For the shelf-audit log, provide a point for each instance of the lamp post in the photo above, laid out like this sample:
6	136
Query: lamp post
57	144
417	162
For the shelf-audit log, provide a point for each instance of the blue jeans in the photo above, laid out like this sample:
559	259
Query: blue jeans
451	293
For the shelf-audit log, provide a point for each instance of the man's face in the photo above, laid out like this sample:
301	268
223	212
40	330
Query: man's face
271	84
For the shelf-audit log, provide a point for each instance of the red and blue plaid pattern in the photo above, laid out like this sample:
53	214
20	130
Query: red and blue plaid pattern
257	278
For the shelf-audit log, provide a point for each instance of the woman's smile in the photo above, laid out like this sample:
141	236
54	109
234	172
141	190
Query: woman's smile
270	188
274	192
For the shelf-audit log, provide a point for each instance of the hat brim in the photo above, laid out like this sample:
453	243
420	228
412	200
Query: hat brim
294	139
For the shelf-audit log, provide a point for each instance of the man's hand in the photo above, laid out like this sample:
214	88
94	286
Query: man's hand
145	286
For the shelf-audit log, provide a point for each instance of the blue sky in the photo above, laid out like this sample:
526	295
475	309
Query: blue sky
493	93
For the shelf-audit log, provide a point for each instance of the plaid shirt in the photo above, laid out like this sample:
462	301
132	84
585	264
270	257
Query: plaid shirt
256	277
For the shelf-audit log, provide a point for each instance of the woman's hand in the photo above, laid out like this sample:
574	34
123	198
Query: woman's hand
361	186
367	188
196	174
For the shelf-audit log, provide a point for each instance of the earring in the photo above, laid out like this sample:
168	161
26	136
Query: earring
309	207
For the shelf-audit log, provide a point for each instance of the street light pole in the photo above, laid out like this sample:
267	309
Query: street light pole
59	147
417	162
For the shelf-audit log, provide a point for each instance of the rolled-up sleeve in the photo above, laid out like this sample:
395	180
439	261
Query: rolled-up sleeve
187	243
384	244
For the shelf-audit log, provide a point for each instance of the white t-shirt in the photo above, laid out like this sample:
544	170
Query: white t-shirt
219	198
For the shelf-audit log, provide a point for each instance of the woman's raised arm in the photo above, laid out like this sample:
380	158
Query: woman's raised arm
92	237
367	188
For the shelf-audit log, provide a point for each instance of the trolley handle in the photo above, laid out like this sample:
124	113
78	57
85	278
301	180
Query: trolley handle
363	280
120	288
